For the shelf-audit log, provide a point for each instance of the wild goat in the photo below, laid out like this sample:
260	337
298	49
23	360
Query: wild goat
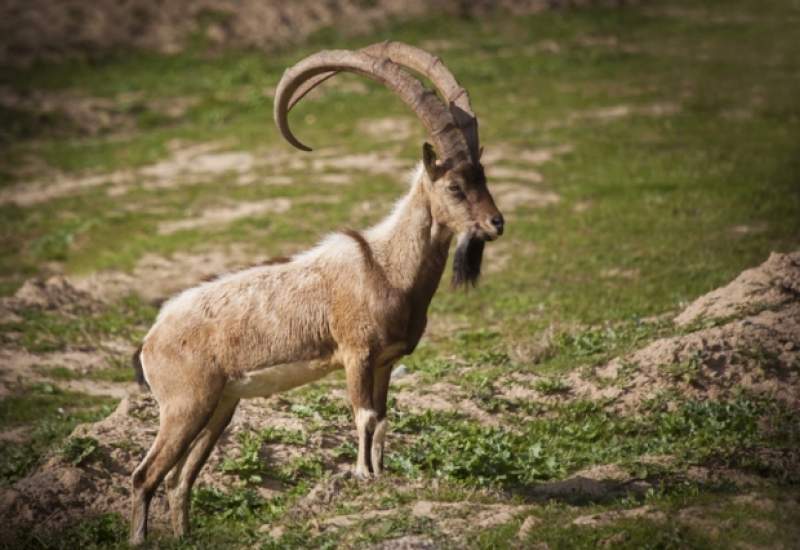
356	301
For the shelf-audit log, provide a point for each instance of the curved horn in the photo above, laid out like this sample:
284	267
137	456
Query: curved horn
432	67
438	120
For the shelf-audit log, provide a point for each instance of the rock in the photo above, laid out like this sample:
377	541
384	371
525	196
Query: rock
604	518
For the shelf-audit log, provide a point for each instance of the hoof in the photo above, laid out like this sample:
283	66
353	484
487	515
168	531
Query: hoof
362	475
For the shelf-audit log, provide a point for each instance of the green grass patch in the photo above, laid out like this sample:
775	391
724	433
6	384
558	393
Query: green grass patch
251	464
552	386
78	450
580	434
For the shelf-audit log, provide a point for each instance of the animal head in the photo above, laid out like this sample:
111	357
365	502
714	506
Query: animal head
459	197
460	201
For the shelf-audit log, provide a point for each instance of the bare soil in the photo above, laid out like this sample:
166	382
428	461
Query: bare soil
773	284
156	278
389	128
617	112
510	197
223	215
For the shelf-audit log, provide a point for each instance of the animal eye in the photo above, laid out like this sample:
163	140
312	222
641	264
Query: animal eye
455	191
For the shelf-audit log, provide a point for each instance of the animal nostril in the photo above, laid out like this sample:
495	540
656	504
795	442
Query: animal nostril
498	222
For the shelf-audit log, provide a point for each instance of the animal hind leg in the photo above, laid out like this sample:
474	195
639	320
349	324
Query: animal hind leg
180	480
180	422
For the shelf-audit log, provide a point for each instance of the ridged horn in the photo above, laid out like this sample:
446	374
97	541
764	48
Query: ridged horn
426	64
439	121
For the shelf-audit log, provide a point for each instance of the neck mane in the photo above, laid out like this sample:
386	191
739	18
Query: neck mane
410	246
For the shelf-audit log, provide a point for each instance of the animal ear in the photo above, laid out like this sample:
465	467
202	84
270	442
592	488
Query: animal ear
480	152
432	166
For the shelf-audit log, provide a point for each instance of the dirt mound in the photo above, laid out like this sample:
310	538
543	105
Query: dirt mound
53	294
442	397
457	521
187	164
22	368
60	490
408	542
772	284
604	518
70	112
510	196
196	163
44	30
65	489
755	346
88	115
221	215
759	353
757	350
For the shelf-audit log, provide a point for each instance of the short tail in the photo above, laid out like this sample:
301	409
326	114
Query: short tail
137	367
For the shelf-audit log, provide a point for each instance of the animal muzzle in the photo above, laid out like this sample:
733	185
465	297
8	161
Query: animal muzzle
491	227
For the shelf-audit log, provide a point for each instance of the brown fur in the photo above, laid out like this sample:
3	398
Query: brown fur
270	261
358	301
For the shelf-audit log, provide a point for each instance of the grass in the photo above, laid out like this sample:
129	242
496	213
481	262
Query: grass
637	173
120	373
582	434
552	386
699	180
78	450
252	467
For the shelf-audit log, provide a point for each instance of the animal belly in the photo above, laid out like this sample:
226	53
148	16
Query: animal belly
279	378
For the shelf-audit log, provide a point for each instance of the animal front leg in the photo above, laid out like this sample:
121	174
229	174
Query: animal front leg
366	421
380	390
359	387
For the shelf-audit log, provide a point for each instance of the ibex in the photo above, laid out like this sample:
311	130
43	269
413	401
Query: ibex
357	301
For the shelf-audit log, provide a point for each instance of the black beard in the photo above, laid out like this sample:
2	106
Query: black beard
467	261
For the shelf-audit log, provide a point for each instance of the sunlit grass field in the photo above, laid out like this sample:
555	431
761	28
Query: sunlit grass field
668	143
